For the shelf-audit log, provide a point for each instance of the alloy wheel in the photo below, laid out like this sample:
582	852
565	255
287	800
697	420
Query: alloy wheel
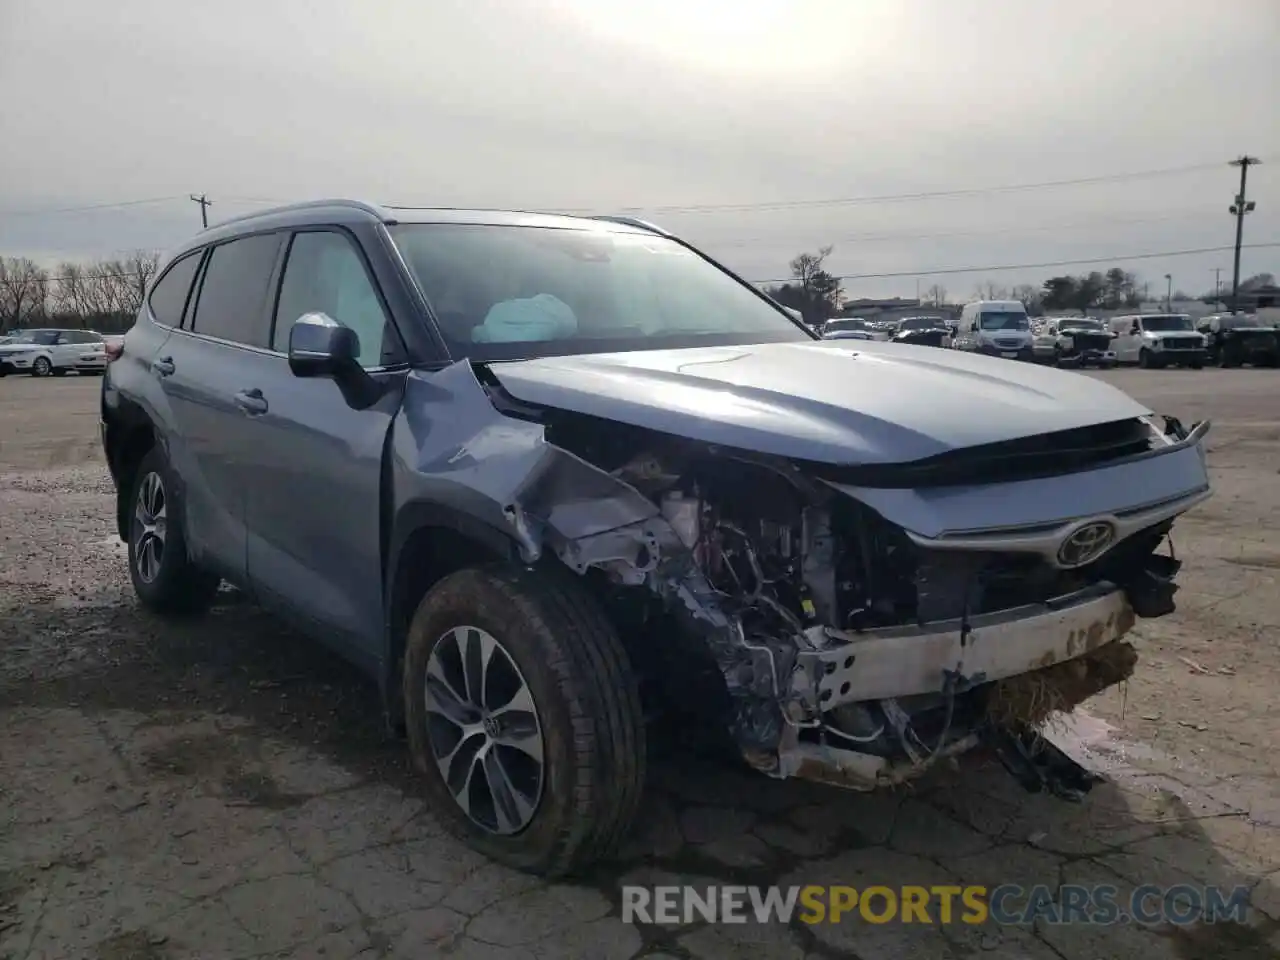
150	517
484	730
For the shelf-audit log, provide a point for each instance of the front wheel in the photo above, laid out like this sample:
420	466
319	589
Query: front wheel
1144	359
42	367
524	718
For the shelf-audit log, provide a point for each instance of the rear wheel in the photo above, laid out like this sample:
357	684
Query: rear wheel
524	718
164	577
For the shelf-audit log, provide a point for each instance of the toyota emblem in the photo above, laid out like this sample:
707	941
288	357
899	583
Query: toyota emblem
1086	544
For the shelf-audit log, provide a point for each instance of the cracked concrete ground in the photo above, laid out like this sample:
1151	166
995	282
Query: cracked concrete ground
222	790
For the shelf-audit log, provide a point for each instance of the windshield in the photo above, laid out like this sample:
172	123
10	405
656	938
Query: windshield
1081	325
513	292
1242	321
1003	320
41	337
1165	324
919	323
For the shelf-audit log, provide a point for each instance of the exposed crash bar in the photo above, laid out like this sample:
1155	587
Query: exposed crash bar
902	661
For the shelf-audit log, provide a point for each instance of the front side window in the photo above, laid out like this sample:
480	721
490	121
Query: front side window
233	294
324	273
509	292
169	295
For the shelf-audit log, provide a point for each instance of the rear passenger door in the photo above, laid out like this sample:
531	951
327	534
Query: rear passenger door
315	493
201	367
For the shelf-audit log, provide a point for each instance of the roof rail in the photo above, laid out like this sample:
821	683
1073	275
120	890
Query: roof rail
369	208
634	222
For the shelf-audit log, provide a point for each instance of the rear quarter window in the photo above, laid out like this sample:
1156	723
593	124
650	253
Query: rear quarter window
169	295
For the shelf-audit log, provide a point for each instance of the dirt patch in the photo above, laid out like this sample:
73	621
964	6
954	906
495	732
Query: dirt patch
134	945
1032	698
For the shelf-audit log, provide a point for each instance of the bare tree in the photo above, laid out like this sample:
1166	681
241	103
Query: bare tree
990	290
936	294
23	291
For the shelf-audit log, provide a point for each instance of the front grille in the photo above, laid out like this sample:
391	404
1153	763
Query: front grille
1026	458
1181	343
1008	344
1090	341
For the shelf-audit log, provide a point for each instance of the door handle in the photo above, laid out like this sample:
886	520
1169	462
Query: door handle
251	402
164	366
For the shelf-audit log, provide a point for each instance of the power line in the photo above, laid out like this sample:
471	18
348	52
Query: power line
910	197
993	268
1003	231
763	206
92	206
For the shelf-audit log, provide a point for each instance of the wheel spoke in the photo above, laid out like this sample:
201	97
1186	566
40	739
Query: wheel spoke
510	807
444	700
459	767
476	648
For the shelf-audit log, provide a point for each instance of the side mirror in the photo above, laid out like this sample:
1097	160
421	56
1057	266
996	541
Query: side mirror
1135	328
319	346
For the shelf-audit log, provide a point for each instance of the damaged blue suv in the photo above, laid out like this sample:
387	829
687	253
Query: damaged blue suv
543	477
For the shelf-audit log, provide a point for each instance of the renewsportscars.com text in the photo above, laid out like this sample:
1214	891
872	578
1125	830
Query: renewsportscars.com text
1008	904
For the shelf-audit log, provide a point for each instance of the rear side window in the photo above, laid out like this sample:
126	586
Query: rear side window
169	295
233	293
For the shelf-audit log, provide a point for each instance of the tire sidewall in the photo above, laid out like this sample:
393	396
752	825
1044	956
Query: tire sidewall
41	367
475	598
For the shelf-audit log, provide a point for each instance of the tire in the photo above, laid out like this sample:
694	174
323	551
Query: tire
1228	358
1196	364
59	371
41	367
589	727
1144	359
166	581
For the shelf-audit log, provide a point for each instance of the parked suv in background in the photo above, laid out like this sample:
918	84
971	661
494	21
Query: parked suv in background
532	472
1232	340
1153	340
44	353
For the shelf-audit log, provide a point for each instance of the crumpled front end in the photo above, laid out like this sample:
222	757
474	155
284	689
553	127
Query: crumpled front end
859	623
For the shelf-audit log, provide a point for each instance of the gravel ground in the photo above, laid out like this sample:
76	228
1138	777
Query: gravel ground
222	789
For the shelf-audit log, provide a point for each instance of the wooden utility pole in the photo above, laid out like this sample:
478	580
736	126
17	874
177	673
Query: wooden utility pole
1239	209
205	204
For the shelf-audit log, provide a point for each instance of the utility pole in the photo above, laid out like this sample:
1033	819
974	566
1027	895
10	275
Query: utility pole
1168	297
1217	287
205	204
1239	209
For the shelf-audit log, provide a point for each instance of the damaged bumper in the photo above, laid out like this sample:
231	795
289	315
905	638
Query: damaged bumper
904	661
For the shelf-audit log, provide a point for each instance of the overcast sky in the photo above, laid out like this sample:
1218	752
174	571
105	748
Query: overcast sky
602	104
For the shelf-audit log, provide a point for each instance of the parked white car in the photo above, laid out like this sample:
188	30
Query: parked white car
1159	340
852	328
43	353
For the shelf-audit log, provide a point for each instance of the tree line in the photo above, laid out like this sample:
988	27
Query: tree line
819	295
103	295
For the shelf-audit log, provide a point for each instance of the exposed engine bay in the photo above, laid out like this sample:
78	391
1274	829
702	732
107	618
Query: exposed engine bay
791	583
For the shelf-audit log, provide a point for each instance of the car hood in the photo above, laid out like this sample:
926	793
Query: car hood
838	402
18	347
